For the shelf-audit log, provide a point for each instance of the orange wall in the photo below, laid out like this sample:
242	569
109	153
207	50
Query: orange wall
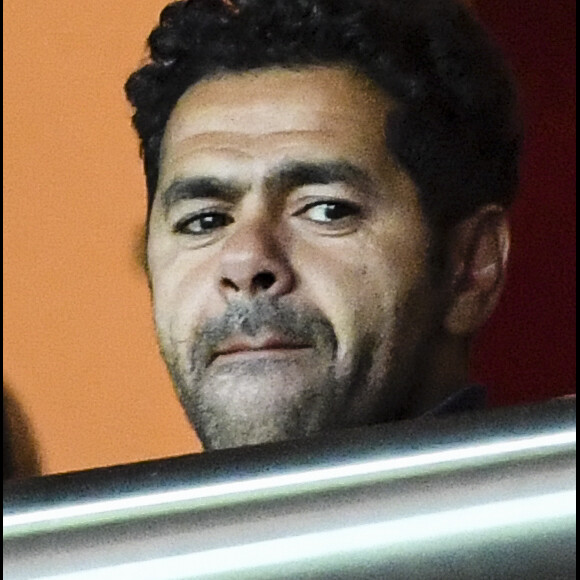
79	349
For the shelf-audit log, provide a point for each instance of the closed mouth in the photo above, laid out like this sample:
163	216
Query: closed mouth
248	346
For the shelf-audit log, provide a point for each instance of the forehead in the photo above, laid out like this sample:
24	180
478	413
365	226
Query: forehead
324	107
279	96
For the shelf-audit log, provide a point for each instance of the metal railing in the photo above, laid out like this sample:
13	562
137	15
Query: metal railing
475	495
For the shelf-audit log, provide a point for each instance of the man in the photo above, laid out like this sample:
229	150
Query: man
328	183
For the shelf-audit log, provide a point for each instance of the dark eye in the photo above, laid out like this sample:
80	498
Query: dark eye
329	211
204	223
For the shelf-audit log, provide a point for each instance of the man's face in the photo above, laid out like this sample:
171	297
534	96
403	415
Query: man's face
288	258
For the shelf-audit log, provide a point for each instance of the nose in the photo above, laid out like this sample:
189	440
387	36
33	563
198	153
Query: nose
253	262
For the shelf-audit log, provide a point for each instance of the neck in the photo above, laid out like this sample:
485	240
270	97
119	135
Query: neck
446	371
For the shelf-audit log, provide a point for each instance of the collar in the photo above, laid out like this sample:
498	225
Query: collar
469	398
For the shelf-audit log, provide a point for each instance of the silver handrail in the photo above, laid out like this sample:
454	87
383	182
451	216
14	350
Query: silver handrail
476	495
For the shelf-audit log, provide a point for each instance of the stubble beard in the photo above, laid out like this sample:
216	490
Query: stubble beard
235	406
250	402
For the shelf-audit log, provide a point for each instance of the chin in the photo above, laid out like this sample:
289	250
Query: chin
251	411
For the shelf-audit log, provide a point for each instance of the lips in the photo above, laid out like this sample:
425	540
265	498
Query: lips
245	344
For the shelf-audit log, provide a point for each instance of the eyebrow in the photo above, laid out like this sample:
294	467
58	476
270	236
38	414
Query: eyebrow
200	188
295	174
290	175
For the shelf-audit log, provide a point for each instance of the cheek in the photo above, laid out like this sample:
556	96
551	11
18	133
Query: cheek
182	288
358	285
350	289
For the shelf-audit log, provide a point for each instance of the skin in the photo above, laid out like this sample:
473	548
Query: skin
289	262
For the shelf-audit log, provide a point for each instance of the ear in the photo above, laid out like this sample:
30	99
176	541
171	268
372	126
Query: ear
478	252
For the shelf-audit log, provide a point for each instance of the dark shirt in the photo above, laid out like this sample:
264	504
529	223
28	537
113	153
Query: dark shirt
469	398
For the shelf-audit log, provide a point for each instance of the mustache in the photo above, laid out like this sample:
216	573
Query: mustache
297	323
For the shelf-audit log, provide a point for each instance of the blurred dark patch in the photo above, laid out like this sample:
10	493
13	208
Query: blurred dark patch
20	448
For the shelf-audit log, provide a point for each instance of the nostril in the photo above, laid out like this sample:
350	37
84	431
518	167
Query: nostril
228	284
263	281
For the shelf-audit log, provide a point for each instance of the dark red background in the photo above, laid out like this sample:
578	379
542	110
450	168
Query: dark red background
528	350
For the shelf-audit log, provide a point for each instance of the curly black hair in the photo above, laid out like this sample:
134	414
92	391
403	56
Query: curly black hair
455	128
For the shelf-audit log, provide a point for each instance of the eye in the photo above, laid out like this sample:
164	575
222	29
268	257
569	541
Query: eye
328	212
203	223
